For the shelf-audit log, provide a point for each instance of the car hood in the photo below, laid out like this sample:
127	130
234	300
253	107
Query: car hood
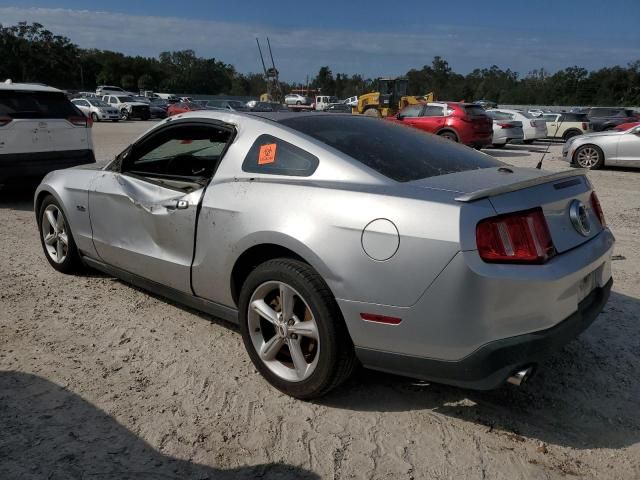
135	104
608	133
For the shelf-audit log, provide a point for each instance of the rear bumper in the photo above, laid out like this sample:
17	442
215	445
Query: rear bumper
490	365
38	164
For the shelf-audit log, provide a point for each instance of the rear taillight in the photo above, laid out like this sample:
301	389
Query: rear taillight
520	237
585	126
5	121
80	121
597	209
505	125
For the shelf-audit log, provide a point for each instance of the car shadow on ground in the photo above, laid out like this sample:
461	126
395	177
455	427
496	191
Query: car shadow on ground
51	433
584	396
18	197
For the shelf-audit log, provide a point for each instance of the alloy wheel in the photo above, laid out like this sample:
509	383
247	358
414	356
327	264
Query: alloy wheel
283	331
54	234
588	157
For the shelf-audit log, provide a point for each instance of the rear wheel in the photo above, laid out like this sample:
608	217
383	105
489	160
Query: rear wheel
589	156
293	330
372	112
56	238
570	134
449	136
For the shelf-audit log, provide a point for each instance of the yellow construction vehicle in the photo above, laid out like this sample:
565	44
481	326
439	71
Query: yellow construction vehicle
391	97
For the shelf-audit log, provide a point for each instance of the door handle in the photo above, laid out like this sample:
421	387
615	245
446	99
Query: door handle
177	205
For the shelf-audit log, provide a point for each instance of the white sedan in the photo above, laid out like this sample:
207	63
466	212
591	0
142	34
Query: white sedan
532	128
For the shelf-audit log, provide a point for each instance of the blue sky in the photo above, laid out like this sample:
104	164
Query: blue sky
374	38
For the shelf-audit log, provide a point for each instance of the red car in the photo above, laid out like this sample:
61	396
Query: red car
461	122
182	107
626	126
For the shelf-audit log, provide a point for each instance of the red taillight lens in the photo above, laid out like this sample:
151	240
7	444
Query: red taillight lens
5	121
520	237
79	121
505	125
585	126
597	209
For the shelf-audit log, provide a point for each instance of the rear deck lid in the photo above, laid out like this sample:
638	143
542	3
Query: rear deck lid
511	189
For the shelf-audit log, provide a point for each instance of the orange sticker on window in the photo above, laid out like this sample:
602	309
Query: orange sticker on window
267	154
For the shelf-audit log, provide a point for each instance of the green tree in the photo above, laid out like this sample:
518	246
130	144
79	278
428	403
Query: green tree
145	82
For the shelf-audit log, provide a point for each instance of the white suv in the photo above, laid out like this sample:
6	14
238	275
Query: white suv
40	131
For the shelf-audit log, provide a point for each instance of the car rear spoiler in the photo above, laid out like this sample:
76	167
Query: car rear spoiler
512	187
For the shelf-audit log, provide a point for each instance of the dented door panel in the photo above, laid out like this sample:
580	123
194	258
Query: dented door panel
144	228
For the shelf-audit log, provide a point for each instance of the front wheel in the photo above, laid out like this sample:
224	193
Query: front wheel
124	114
589	156
94	117
372	112
293	330
56	238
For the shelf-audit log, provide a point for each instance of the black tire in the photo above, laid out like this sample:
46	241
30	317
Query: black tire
337	357
372	112
72	263
527	142
94	117
599	160
570	134
298	102
124	114
449	136
498	145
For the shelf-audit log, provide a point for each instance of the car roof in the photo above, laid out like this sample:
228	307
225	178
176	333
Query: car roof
28	87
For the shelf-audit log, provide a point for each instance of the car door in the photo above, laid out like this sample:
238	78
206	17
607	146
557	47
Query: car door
553	125
144	207
410	115
629	148
432	119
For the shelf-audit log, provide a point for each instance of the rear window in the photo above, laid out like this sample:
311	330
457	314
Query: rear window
15	104
475	110
398	152
573	117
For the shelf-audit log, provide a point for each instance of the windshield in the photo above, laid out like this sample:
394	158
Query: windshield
395	151
98	103
126	99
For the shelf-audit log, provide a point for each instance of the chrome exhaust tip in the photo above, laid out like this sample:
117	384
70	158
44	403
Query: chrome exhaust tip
520	377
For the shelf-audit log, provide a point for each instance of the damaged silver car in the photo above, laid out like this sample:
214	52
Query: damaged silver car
334	241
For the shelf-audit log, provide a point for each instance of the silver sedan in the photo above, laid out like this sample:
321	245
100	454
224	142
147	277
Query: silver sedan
334	240
611	147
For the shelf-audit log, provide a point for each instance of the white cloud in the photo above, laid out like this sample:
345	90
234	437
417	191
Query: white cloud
301	51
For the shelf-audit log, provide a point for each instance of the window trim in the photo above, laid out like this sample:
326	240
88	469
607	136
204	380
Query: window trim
117	164
246	162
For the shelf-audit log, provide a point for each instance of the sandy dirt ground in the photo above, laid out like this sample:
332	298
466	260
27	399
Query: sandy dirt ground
99	380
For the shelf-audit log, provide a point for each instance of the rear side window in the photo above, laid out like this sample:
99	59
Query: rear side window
15	104
274	156
399	153
475	110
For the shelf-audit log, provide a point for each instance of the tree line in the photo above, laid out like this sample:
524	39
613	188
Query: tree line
31	53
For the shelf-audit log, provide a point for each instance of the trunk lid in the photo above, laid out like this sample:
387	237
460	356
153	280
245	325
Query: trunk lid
511	189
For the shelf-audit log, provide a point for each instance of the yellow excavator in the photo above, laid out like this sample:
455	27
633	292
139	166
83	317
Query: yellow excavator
389	100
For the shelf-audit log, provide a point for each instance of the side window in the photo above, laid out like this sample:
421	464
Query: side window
433	111
188	152
412	111
274	156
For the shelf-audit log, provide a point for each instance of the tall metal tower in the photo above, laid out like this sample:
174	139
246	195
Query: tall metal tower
271	75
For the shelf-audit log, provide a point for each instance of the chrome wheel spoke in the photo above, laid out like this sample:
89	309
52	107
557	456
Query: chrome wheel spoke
299	362
306	329
50	239
52	220
264	310
59	249
286	302
63	238
271	347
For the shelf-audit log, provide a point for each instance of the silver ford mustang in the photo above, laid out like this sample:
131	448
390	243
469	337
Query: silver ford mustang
337	241
610	147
